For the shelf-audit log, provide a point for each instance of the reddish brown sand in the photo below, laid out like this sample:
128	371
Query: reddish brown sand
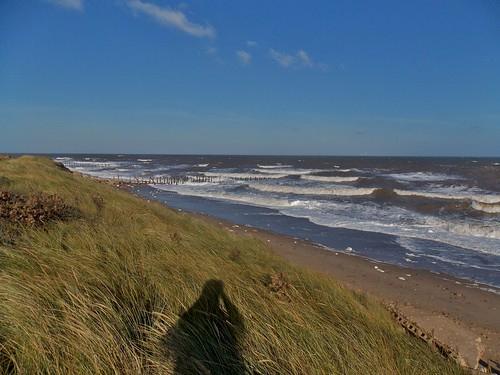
458	312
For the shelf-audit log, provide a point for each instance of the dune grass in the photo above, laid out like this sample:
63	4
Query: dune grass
132	287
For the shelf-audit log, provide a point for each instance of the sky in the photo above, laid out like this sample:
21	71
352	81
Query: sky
328	77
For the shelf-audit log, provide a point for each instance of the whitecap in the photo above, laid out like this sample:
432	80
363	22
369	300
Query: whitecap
289	172
242	176
453	194
287	189
274	166
329	178
421	176
485	207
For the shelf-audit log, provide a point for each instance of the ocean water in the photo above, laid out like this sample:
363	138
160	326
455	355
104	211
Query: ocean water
441	214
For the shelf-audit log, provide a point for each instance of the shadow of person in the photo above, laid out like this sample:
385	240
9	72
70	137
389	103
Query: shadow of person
205	338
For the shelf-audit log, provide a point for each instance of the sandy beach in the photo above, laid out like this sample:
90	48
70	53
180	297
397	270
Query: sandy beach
459	313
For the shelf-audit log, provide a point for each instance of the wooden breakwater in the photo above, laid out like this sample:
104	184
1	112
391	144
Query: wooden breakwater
161	179
483	366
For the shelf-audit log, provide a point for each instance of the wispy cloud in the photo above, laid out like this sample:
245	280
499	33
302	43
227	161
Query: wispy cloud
304	58
281	58
69	4
172	18
252	43
299	59
244	57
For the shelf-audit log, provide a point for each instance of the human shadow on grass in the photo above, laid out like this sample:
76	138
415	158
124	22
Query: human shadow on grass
206	338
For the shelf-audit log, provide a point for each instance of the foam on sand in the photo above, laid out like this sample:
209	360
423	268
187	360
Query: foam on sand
250	199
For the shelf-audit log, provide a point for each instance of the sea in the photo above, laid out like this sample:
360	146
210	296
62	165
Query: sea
438	214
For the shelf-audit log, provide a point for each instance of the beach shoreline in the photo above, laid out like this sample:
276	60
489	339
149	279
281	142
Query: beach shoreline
460	313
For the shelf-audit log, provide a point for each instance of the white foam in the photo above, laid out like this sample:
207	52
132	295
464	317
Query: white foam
329	178
274	166
476	235
287	189
421	176
488	208
145	160
202	165
455	194
253	200
289	172
242	175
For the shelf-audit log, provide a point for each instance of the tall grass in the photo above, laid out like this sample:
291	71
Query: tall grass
131	287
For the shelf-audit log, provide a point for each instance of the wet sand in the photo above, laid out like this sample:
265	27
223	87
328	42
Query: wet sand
459	313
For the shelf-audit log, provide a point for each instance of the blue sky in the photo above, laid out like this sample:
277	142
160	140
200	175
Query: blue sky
250	77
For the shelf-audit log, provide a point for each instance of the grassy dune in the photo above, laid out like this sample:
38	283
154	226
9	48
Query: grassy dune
130	287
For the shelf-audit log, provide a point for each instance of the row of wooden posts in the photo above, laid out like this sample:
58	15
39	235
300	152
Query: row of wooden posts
166	179
179	180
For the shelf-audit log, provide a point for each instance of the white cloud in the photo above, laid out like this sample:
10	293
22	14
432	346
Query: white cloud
251	43
172	18
69	4
300	59
304	58
281	58
244	57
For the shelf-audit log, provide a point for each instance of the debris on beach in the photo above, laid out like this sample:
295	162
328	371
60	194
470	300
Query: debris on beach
378	269
401	278
413	329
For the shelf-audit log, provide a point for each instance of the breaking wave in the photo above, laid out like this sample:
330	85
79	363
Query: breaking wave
252	200
289	172
329	178
460	195
421	176
286	189
486	207
274	166
242	176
